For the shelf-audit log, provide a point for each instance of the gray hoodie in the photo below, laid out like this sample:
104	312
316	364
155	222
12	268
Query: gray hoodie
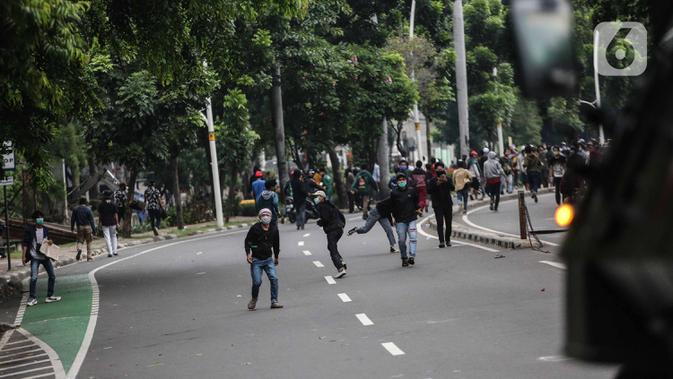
492	167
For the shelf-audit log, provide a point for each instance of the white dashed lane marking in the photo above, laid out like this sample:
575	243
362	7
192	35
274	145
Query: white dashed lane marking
364	319
199	252
558	265
300	243
306	252
344	298
318	264
330	280
392	348
307	235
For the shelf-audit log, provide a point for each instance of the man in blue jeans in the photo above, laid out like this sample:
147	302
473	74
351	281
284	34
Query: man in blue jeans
33	238
405	209
261	242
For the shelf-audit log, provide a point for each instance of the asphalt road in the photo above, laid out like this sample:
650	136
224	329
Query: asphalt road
506	220
180	311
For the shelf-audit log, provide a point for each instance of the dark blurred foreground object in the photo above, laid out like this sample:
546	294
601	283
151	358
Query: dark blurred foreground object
543	33
619	251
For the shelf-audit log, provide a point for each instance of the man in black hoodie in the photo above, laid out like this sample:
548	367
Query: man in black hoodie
440	189
299	191
405	210
332	222
262	241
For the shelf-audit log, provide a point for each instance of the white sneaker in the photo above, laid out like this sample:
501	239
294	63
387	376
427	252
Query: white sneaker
52	299
340	274
31	302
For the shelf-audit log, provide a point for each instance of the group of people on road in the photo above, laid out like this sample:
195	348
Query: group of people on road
412	191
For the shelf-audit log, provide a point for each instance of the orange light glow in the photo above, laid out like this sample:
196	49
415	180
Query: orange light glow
564	215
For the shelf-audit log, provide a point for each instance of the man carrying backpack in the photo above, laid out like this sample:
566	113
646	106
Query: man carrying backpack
332	222
269	199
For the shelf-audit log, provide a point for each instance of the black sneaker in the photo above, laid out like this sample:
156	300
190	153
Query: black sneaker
79	254
441	246
352	231
411	261
252	304
393	250
490	206
535	197
345	267
405	262
448	244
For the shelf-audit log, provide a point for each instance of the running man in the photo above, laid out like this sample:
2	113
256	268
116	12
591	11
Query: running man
381	214
405	210
332	222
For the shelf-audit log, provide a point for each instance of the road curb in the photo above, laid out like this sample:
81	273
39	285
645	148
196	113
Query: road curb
463	232
11	283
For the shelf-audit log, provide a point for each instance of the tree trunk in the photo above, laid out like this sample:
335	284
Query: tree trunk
428	137
279	125
383	159
179	219
131	188
93	172
337	177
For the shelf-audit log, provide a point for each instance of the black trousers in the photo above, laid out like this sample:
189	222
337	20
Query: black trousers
444	217
332	238
493	190
557	190
351	202
155	217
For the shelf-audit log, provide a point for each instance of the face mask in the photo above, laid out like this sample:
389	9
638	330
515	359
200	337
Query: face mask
266	220
402	184
39	221
403	168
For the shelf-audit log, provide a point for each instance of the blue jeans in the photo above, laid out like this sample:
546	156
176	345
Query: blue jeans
256	269
402	229
375	216
35	269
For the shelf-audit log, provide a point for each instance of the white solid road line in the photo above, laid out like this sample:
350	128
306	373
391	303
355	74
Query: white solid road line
199	252
558	265
306	252
330	279
392	348
344	298
93	318
307	235
364	319
470	223
422	232
318	264
300	243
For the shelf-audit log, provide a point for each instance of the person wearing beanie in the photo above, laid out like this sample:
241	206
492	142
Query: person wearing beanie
406	210
262	247
332	222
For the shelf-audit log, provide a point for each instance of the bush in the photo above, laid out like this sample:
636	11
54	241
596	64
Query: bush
247	208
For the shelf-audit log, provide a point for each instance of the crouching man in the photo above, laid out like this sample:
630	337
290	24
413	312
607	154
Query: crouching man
261	242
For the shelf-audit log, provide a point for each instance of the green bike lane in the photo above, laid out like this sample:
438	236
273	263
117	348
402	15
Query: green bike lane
63	325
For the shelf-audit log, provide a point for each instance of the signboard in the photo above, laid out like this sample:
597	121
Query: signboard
211	137
8	159
6	181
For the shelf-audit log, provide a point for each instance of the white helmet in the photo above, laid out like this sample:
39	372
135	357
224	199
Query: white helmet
485	150
320	193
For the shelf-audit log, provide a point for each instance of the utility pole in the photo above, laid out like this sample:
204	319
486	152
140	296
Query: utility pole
213	163
597	88
461	77
417	121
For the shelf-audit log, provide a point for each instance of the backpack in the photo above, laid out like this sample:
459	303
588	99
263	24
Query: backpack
266	203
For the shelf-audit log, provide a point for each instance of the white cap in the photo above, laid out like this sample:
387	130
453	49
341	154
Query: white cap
320	193
486	150
264	212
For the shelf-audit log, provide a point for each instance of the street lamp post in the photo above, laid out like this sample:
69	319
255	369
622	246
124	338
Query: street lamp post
417	121
213	162
461	77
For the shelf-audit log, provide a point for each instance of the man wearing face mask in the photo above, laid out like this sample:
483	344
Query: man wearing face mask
405	210
33	238
260	243
332	222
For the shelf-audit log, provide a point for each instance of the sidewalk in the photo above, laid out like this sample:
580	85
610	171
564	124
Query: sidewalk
11	281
